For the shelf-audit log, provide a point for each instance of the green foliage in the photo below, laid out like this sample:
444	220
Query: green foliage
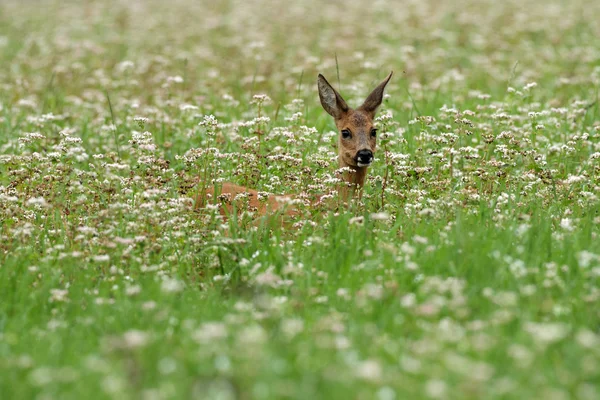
469	269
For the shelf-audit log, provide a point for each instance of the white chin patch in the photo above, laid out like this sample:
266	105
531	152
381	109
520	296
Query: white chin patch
363	165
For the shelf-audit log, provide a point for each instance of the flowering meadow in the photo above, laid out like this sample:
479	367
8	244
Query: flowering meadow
469	269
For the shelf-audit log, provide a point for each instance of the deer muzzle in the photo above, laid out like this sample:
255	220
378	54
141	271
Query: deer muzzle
364	158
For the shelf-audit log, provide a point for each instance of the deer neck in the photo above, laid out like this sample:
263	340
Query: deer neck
353	181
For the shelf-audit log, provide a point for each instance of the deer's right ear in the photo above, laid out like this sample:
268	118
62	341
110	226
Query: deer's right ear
331	100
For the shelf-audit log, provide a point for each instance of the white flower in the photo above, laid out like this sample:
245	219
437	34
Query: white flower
252	335
210	331
567	224
356	220
408	300
585	258
369	370
37	201
267	278
176	79
380	216
188	107
58	295
546	333
292	327
436	388
133	290
134	338
170	285
209	120
587	338
260	98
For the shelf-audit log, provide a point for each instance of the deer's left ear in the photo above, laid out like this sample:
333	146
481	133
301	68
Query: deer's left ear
376	97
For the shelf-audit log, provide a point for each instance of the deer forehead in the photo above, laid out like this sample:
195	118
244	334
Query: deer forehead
355	119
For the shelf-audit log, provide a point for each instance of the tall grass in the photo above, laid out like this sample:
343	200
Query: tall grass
468	270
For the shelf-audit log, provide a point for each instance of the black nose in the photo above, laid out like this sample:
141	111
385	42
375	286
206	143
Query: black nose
364	157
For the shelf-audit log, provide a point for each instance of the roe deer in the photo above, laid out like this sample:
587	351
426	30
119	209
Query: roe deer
356	146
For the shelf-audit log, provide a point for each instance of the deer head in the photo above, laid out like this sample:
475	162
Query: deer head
357	133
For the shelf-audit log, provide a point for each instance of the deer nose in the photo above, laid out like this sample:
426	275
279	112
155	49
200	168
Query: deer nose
364	158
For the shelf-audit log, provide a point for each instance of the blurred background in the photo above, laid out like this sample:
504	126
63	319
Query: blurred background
138	48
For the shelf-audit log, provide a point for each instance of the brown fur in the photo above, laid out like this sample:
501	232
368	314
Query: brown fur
360	124
358	121
232	196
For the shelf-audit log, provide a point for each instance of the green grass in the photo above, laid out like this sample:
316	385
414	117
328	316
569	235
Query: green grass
478	276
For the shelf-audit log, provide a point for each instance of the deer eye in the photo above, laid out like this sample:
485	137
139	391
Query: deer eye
346	134
373	132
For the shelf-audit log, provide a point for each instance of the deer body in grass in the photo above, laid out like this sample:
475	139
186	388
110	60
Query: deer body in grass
357	142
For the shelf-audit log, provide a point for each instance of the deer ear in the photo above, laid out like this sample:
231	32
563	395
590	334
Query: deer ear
331	100
376	97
